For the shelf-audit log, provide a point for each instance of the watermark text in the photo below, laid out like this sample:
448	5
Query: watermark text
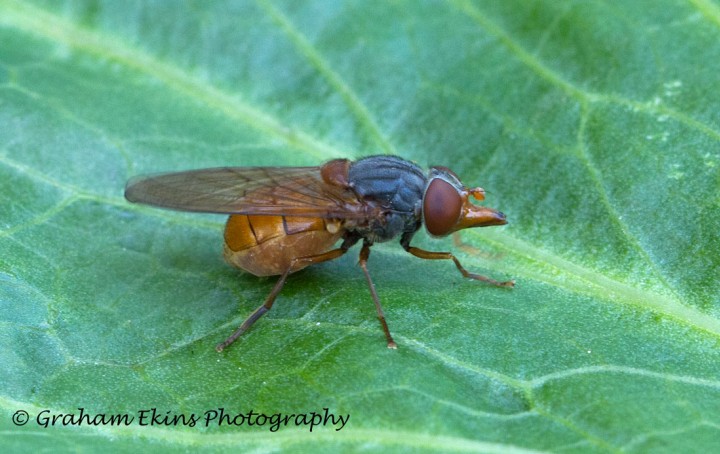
153	417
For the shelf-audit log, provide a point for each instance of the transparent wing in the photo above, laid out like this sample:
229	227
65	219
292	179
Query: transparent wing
277	191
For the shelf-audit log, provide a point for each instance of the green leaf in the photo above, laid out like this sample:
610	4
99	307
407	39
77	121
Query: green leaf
593	125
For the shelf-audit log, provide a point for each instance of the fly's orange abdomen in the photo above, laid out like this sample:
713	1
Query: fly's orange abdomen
265	245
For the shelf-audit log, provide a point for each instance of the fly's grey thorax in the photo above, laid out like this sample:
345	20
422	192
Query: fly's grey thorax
395	187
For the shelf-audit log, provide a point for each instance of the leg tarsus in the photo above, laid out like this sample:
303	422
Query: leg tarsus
430	255
257	313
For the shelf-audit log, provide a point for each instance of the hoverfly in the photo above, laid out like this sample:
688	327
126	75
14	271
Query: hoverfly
283	219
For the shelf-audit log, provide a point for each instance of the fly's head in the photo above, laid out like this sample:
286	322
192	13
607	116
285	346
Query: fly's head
447	208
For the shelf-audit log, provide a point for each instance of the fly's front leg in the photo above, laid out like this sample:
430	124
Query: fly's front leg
267	305
364	254
430	255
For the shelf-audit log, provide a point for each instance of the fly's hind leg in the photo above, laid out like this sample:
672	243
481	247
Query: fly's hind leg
430	255
267	305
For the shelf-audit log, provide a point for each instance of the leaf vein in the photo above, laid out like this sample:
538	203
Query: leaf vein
307	50
54	28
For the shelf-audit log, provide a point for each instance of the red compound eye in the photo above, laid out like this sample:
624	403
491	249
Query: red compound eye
441	207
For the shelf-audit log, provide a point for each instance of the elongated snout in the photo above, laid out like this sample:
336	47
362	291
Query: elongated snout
477	216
